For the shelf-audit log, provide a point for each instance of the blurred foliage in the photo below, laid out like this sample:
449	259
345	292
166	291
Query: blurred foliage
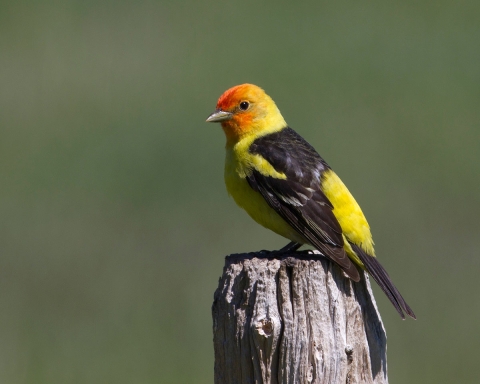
113	214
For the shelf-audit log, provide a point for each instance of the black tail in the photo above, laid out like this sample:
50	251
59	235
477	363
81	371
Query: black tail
380	275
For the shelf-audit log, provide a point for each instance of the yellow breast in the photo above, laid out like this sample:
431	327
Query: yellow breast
238	164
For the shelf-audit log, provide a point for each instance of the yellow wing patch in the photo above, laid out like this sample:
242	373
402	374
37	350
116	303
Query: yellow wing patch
245	161
348	213
238	165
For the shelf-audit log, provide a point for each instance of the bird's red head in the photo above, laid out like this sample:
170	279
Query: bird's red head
246	110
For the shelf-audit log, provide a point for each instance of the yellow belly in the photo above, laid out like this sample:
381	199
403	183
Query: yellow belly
253	202
348	213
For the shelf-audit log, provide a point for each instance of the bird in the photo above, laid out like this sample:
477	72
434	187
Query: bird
281	181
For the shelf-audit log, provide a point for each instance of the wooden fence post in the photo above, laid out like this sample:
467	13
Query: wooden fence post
293	320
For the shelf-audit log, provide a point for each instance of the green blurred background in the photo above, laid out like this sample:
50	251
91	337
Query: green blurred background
113	213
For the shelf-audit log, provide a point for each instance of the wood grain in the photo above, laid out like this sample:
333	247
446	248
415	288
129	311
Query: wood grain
295	319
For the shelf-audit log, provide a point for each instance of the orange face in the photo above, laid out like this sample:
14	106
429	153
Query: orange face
243	110
239	101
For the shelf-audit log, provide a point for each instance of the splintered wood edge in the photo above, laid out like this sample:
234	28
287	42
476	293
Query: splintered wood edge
263	306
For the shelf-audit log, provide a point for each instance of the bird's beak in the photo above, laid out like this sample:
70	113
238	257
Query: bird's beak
219	116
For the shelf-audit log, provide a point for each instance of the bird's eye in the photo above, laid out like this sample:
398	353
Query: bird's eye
244	105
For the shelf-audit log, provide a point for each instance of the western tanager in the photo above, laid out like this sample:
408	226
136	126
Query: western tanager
284	185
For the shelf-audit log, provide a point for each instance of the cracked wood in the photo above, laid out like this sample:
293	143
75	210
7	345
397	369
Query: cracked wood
295	320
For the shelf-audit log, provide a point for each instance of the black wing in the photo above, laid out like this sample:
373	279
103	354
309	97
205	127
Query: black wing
298	199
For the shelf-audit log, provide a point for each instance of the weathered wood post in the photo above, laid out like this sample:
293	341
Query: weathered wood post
295	320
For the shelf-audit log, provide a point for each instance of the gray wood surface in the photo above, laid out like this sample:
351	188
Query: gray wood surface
295	320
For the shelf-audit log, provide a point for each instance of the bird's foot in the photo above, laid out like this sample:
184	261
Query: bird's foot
289	248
